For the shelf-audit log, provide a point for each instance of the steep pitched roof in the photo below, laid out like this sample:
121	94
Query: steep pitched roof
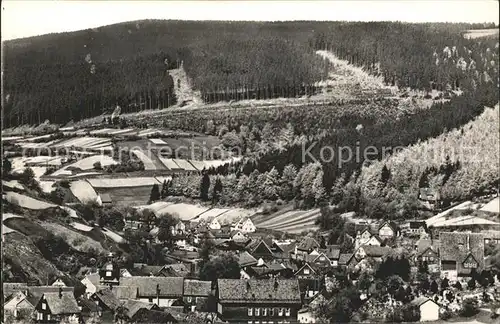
421	300
108	298
62	303
133	306
308	244
11	287
147	286
456	246
246	259
144	315
265	291
344	258
88	305
174	270
197	288
332	252
424	244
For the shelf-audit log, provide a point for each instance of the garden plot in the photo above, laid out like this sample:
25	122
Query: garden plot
123	182
148	163
83	191
74	239
184	165
86	164
169	163
185	212
26	201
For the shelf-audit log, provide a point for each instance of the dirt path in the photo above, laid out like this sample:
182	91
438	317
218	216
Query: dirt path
183	90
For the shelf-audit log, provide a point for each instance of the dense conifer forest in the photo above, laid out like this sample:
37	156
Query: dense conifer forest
69	76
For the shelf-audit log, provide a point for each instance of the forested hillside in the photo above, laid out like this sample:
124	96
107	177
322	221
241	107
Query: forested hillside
460	164
419	56
69	76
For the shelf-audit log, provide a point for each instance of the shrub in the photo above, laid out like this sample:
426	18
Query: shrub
445	314
97	165
469	308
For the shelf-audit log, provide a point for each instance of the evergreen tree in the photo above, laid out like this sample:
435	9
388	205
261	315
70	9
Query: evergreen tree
217	191
434	287
385	175
445	283
6	166
155	194
204	186
164	189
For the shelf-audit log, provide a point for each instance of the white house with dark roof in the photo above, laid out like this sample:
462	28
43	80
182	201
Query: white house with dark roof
215	224
429	309
55	306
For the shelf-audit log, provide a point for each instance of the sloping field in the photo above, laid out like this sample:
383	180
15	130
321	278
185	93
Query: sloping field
185	165
211	213
183	211
123	182
112	235
83	191
235	214
169	163
102	131
74	239
492	207
199	165
157	141
122	131
26	201
155	207
13	184
149	164
81	227
38	171
86	164
463	221
84	142
127	196
294	221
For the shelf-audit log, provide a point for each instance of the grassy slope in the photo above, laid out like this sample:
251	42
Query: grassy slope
475	145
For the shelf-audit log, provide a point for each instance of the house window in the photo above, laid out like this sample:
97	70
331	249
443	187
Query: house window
108	273
431	258
150	300
250	311
109	267
287	312
271	312
470	265
257	312
306	271
189	299
44	306
48	317
280	311
264	312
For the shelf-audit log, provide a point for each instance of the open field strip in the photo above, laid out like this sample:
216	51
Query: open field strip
185	212
148	163
82	227
112	235
185	165
11	138
36	138
83	191
155	207
13	184
123	182
76	240
301	228
169	163
102	131
199	165
212	213
492	207
286	217
158	141
295	222
121	131
26	201
86	164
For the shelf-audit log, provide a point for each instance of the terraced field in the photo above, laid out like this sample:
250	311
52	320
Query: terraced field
291	221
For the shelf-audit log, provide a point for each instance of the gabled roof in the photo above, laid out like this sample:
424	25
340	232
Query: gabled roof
174	270
421	300
457	246
145	315
11	287
108	298
306	265
133	306
141	269
424	244
391	224
147	286
88	305
246	259
375	251
262	291
261	247
308	244
332	252
197	288
317	258
61	303
344	258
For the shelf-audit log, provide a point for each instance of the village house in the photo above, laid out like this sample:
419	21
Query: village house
214	224
19	307
91	282
416	227
347	261
196	295
427	251
430	198
107	301
367	235
109	273
460	254
283	250
306	314
429	309
56	306
244	225
310	281
256	301
179	228
387	230
304	248
163	291
372	251
261	249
